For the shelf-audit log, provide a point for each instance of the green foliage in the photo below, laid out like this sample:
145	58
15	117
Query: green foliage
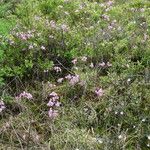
109	43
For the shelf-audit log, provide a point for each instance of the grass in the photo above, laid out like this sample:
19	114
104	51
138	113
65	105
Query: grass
6	25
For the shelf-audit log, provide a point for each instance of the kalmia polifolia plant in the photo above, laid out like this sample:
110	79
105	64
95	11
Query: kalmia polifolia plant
24	95
53	104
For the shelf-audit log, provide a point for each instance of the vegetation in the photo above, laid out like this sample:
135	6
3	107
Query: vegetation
75	74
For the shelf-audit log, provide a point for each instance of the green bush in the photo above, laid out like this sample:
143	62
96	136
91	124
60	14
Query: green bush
94	58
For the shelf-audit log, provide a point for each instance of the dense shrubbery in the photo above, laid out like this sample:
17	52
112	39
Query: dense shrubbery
93	60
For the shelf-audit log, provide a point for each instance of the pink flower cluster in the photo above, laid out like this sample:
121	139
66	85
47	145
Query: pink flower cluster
53	24
53	103
52	113
74	61
2	106
25	95
109	3
105	17
25	36
73	79
83	58
103	64
99	92
64	27
57	69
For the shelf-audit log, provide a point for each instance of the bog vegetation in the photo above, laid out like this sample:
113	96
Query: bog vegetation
75	74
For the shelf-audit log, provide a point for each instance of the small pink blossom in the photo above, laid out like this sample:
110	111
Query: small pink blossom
102	64
74	80
99	92
57	69
109	3
105	17
52	113
74	61
110	27
24	95
53	94
57	104
68	77
51	103
52	24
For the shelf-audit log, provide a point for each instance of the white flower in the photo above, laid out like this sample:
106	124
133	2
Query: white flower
134	126
30	46
121	113
60	80
92	65
43	48
116	112
84	58
148	137
120	136
128	80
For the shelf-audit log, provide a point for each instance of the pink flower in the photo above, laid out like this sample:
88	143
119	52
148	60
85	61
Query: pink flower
57	69
57	104
53	97
24	95
50	103
109	3
74	80
99	92
74	61
102	64
68	77
105	17
52	113
52	24
53	101
110	27
2	106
